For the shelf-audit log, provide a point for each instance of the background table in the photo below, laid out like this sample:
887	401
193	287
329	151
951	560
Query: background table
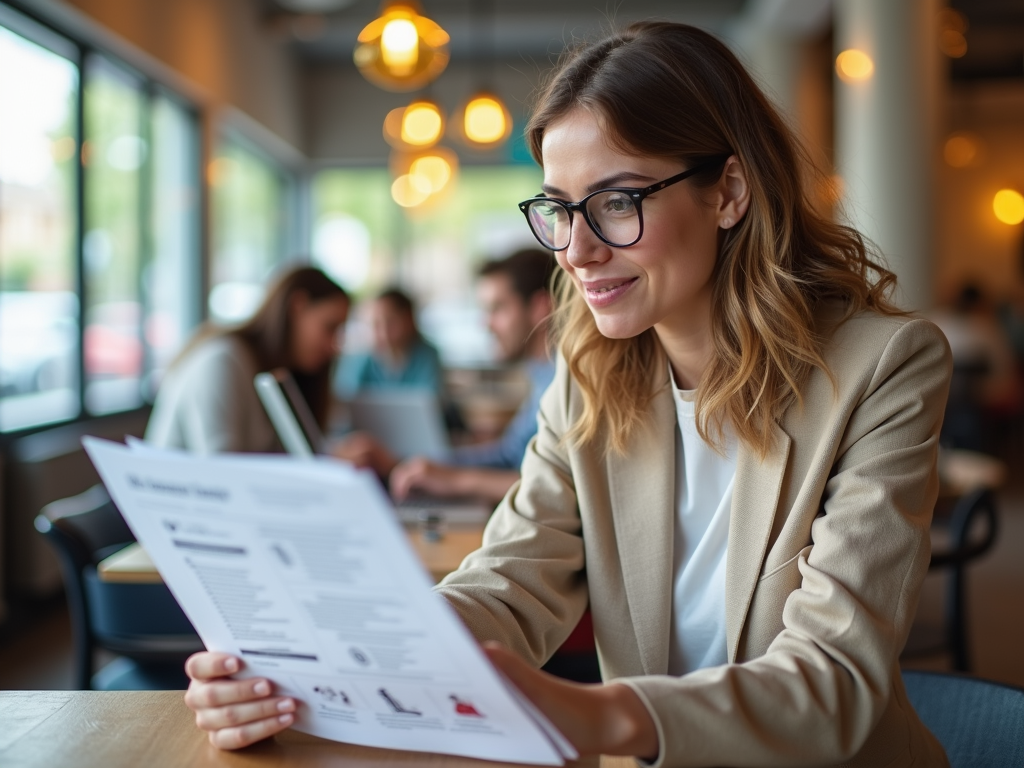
132	564
129	729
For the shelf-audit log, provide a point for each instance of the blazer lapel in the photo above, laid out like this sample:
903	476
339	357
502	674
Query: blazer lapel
754	505
642	489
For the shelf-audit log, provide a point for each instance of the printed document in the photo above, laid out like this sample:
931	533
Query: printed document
303	570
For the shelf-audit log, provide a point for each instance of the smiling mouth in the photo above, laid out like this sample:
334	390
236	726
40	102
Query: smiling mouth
609	288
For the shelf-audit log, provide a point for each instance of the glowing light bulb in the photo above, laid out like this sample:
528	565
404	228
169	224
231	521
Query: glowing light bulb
434	170
409	191
854	65
485	121
422	124
399	46
1008	205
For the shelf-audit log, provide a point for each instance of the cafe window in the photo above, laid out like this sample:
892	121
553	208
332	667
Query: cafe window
39	310
99	236
251	196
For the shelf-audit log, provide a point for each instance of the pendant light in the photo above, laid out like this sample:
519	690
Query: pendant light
484	121
402	50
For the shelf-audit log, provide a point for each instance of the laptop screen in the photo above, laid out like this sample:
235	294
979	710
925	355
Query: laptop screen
289	412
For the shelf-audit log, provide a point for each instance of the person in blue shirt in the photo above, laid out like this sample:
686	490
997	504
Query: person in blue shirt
516	298
400	357
515	295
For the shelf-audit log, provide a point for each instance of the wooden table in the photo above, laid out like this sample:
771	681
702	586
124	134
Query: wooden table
132	564
154	729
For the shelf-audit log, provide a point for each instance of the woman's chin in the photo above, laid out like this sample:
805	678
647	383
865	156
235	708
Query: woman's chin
618	328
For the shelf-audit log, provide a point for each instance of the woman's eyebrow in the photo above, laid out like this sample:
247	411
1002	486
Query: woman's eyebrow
616	180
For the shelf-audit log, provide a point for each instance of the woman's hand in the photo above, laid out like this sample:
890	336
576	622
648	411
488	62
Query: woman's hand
608	719
235	713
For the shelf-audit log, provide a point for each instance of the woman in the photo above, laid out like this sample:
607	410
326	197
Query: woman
735	464
208	404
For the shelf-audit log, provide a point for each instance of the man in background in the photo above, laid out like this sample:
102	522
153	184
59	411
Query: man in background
515	295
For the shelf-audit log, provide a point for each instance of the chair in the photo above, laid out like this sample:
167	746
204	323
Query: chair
979	723
141	622
972	511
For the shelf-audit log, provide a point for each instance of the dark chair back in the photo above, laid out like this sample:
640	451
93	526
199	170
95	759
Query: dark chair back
973	511
140	621
979	723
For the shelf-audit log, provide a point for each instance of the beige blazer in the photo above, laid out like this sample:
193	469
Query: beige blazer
828	545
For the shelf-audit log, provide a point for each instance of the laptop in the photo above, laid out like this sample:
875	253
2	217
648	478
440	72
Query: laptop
301	436
408	422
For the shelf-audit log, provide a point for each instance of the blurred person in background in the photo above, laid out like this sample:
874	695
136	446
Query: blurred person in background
400	356
985	387
207	402
516	298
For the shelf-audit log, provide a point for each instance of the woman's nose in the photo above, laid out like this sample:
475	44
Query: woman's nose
585	247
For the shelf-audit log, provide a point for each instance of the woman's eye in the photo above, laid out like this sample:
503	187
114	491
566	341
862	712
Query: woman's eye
618	204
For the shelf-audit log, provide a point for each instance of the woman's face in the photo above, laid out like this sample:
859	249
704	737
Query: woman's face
664	280
393	328
316	326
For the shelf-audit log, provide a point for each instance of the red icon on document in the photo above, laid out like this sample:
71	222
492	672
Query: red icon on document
464	708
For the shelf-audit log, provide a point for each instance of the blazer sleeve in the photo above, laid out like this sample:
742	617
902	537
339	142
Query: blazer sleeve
216	404
526	586
818	692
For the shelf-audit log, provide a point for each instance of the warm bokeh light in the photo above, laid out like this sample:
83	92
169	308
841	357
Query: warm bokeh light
218	170
961	150
1008	205
409	191
422	124
953	43
854	65
399	46
402	50
434	169
484	122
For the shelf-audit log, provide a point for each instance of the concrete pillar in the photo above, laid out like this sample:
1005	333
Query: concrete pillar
885	134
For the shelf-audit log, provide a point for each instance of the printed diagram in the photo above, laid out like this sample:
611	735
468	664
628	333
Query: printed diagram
395	705
359	656
333	695
464	708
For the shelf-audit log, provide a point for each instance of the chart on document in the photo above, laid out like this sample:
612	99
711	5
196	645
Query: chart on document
302	569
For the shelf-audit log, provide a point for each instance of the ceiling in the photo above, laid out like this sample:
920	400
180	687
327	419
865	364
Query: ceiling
540	29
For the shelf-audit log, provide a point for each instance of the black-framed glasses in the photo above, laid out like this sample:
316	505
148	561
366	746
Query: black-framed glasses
615	214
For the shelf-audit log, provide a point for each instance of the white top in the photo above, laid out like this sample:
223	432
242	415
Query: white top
207	403
704	481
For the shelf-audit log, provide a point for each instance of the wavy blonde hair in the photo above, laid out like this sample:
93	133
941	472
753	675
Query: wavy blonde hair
672	91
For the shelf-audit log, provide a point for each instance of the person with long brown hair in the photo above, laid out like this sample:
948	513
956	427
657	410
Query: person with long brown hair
735	465
207	403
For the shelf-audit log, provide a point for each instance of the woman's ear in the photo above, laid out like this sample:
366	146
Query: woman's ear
735	194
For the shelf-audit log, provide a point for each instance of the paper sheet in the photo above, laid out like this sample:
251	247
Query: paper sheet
302	570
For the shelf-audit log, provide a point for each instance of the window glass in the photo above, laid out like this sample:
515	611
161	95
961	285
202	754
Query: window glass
38	224
366	241
249	229
115	152
171	276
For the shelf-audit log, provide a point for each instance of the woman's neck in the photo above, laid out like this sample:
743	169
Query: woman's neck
688	352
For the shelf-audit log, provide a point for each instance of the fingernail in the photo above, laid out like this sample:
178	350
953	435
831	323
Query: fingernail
262	688
285	719
231	665
286	705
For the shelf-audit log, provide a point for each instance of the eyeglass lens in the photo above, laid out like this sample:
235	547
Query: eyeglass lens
612	214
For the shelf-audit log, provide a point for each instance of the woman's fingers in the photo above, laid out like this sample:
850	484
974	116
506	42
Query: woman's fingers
220	693
243	735
208	665
236	715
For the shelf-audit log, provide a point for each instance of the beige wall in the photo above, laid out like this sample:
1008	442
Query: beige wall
223	47
971	244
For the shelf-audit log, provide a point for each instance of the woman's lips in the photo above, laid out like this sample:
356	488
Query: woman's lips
601	293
